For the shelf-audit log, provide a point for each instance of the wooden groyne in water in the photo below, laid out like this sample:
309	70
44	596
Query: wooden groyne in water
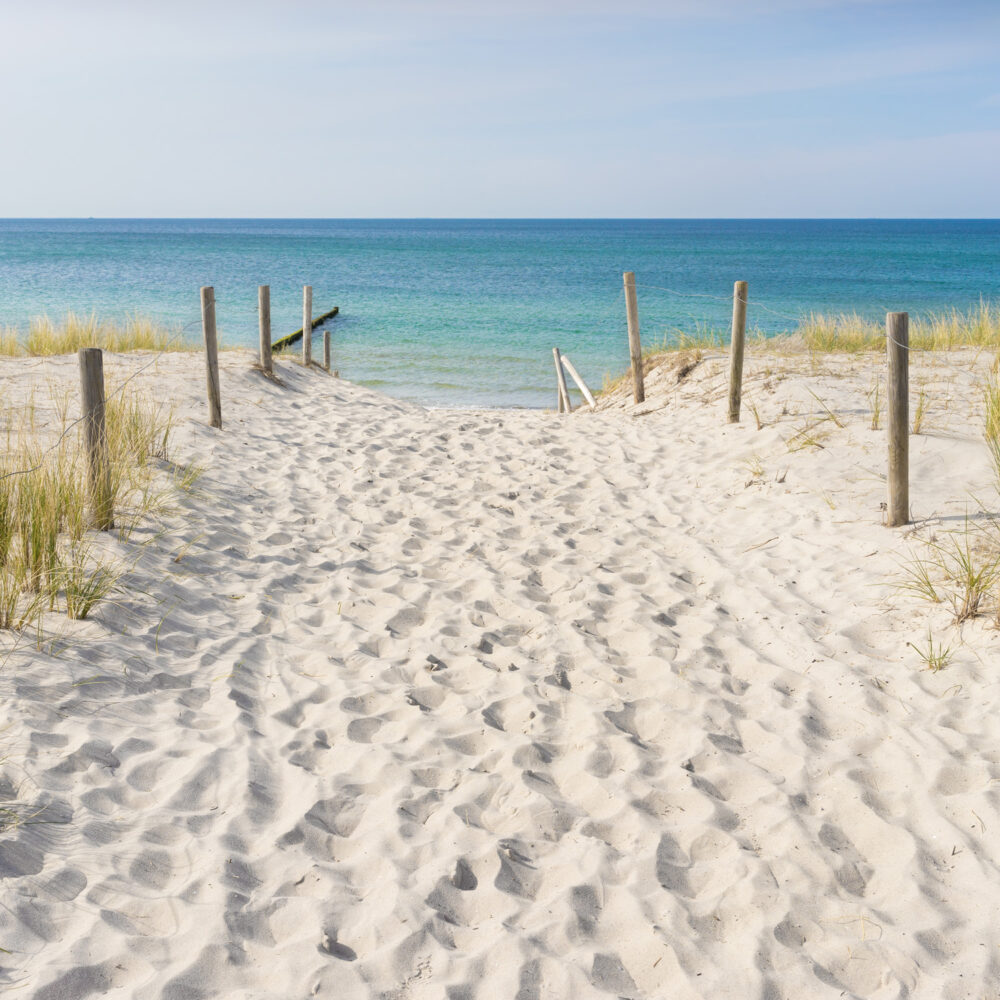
294	338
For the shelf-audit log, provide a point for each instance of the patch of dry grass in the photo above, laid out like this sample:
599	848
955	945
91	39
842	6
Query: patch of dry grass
47	337
944	331
48	559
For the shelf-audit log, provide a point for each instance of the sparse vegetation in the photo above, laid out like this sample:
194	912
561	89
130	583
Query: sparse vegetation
935	656
755	467
920	411
809	435
875	401
992	428
963	569
46	561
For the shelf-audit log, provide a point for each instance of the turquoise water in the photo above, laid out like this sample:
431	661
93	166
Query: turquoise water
466	312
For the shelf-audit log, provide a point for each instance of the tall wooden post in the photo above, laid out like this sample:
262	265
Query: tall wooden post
326	349
307	324
634	346
96	436
736	343
211	356
564	404
264	313
897	342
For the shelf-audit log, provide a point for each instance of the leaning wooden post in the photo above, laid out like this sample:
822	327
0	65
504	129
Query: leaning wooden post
96	436
326	349
634	346
581	385
307	324
736	343
564	404
211	356
897	342
264	311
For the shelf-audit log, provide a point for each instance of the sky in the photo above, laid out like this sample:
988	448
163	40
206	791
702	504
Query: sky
544	109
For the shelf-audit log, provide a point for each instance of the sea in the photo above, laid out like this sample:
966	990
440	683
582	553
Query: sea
465	312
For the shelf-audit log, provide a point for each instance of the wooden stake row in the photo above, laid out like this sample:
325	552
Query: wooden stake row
898	359
266	356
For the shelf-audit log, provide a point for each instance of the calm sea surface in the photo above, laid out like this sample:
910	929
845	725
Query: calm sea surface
466	312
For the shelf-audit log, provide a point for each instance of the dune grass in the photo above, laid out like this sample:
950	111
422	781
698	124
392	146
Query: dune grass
46	337
943	331
49	560
840	333
992	429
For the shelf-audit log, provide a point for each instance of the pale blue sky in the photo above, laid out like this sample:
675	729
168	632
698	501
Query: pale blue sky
437	108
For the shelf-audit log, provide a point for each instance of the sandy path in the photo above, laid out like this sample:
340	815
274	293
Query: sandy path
499	704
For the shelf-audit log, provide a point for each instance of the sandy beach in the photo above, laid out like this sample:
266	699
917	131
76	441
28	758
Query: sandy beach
410	703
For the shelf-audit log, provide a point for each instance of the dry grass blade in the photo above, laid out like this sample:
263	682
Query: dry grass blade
875	401
830	414
920	412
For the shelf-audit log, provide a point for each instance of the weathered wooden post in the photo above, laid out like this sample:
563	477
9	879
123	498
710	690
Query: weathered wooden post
96	436
326	349
897	342
634	346
587	394
211	356
307	324
736	342
264	311
564	403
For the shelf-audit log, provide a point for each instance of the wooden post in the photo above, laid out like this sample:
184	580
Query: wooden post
736	343
211	356
575	375
307	324
564	403
96	436
326	349
897	342
264	311
634	347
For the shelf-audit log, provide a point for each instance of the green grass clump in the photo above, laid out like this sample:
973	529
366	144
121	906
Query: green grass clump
962	569
47	337
46	561
936	656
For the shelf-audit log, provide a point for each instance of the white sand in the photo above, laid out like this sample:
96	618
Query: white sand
506	704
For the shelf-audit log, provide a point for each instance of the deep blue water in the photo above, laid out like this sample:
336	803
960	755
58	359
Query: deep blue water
459	312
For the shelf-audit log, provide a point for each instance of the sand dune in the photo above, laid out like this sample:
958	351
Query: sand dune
411	703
